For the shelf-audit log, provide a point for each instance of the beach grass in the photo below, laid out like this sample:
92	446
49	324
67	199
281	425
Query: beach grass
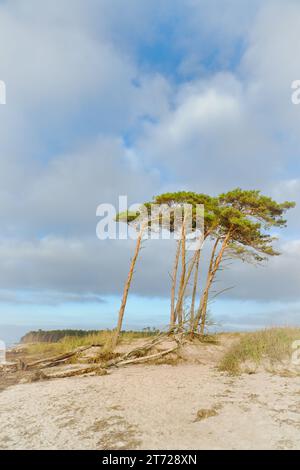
69	343
272	344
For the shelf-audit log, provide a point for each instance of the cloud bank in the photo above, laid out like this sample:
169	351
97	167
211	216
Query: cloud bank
106	99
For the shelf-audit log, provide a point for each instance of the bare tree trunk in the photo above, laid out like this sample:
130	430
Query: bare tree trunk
200	308
210	279
127	287
173	290
186	280
179	309
192	314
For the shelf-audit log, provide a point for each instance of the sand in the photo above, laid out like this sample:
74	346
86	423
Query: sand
154	407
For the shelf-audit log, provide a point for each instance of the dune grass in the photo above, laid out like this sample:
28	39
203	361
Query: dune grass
272	344
69	343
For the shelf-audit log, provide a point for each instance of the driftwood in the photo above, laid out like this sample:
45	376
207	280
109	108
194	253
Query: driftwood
140	349
53	361
147	358
137	351
128	358
100	370
11	367
72	373
135	356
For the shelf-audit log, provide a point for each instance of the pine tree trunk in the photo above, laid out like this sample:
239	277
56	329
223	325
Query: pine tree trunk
200	308
126	288
210	279
186	280
173	290
179	307
192	314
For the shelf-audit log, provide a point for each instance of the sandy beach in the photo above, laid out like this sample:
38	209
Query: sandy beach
153	407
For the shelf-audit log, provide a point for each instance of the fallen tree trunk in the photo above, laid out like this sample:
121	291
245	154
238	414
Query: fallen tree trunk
14	366
128	358
103	371
147	358
73	373
51	362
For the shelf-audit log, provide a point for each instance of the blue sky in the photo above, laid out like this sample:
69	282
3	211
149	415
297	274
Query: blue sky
137	98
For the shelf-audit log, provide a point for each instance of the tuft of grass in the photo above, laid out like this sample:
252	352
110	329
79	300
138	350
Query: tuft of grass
209	339
205	413
174	360
272	344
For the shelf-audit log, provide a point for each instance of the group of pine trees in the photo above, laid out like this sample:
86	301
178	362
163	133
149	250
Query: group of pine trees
237	225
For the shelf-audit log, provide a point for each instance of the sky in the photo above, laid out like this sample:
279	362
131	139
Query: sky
115	97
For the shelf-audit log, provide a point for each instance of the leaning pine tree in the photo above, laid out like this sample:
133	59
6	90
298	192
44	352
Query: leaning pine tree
143	221
129	218
245	219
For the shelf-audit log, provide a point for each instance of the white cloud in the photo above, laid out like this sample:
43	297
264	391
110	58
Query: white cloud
210	141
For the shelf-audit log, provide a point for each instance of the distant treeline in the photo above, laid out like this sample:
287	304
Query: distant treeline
53	336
